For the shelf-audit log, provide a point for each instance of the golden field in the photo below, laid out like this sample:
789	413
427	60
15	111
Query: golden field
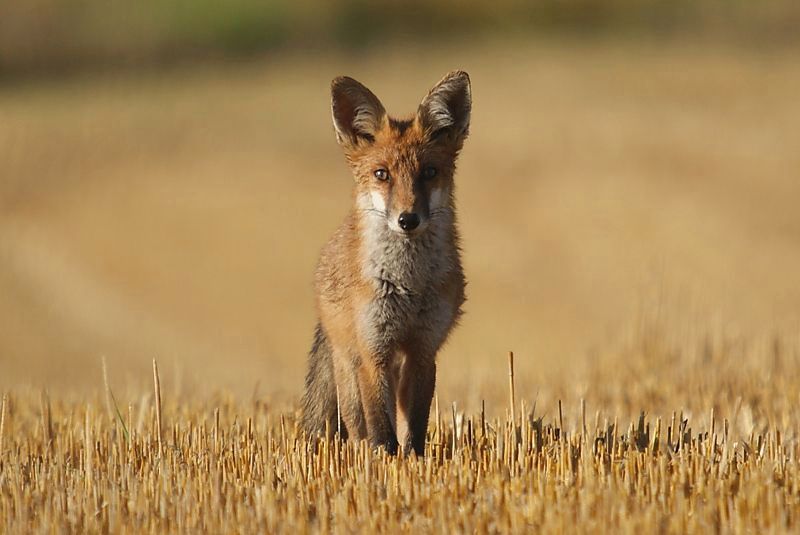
630	229
215	464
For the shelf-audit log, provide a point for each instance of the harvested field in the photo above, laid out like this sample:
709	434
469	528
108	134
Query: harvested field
217	464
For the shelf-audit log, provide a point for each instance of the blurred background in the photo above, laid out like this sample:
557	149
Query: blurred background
168	175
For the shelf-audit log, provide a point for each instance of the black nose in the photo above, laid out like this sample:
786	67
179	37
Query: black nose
408	221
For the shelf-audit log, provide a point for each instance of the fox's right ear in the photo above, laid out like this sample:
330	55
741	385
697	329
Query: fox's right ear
357	112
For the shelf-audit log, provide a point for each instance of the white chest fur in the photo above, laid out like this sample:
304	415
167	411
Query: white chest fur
406	273
411	264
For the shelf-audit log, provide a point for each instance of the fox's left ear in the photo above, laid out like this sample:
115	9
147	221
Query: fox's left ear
446	109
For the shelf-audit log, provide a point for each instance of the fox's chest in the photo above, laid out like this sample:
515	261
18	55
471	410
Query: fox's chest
406	298
395	316
408	263
404	270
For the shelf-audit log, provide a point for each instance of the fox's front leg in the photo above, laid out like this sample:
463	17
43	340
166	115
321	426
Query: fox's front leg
345	368
377	388
414	395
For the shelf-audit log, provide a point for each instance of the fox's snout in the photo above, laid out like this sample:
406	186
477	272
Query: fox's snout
403	212
408	221
409	218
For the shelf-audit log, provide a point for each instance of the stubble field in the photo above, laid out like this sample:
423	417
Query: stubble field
630	229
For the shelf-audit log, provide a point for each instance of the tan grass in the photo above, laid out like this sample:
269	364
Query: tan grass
2	422
157	397
233	467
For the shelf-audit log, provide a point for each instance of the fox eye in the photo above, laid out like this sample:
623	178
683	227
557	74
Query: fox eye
382	175
429	172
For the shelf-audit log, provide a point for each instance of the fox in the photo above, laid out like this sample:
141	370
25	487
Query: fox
389	284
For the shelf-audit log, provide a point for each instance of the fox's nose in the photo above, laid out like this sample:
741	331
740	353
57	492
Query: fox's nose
408	221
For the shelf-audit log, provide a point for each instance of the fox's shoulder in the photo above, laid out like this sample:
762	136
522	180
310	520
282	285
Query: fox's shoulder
337	268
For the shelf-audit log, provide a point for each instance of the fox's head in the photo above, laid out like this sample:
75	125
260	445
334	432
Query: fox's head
403	168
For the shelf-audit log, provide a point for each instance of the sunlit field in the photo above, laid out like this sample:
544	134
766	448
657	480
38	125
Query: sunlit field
630	230
171	462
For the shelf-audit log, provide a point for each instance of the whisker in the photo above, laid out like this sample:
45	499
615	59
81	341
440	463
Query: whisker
442	212
372	211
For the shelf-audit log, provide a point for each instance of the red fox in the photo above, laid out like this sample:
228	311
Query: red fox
389	284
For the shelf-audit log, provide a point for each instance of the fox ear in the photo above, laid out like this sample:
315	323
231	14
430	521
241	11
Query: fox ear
446	109
357	112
